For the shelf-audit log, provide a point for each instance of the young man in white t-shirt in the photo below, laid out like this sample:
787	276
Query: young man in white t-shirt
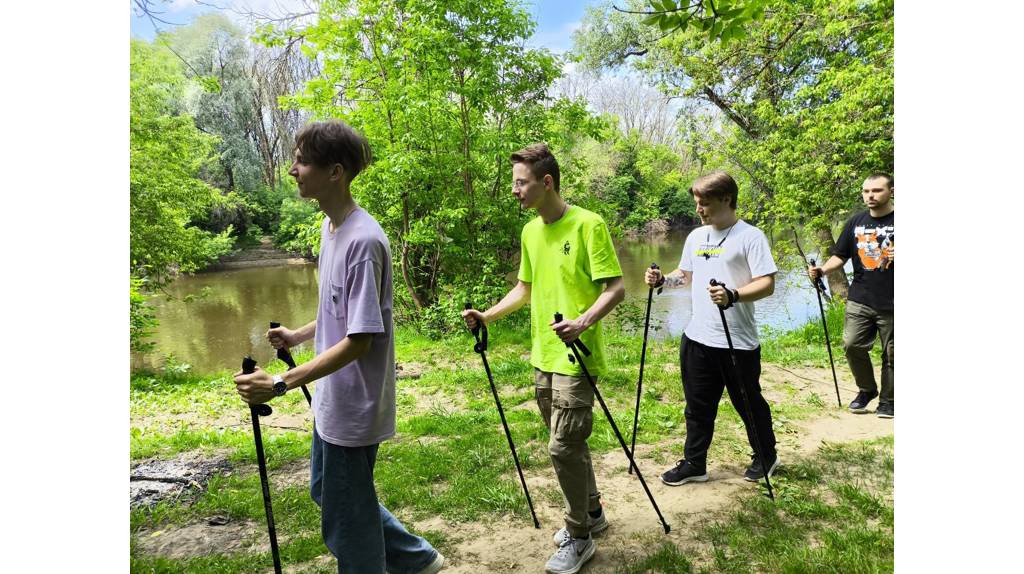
353	333
737	254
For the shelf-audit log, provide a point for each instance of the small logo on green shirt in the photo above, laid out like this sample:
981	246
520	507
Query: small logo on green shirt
565	248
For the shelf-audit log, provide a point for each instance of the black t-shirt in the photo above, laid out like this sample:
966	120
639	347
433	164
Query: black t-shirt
868	240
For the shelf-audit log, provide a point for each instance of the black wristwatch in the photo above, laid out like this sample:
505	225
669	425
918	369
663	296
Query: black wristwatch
280	387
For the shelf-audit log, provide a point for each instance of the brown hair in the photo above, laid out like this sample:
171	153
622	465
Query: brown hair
326	143
718	185
540	160
882	175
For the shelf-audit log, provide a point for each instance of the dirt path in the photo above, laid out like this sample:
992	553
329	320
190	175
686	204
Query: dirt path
515	546
511	544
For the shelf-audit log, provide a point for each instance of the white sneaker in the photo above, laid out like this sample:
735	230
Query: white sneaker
599	524
571	556
435	566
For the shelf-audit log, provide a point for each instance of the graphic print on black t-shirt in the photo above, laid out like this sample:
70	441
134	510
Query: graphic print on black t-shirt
870	243
874	245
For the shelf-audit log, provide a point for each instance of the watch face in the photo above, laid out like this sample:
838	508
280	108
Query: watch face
280	387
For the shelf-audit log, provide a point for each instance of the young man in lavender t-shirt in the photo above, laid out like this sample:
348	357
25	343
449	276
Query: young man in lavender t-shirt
354	402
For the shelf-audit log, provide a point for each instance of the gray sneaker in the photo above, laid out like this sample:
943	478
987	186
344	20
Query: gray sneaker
435	566
571	556
599	524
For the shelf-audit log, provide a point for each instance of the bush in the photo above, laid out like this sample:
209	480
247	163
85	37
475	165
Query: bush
143	319
299	229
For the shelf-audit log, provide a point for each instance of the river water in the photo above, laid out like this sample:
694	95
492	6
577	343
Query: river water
214	319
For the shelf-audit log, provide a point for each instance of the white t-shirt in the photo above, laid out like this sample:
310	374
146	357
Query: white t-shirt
732	256
355	405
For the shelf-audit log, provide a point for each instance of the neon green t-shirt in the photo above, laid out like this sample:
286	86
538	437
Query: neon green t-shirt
565	263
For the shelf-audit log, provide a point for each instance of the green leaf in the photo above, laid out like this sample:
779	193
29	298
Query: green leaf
716	29
210	84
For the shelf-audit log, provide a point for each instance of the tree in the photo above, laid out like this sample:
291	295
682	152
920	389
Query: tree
444	91
240	106
167	154
166	196
807	91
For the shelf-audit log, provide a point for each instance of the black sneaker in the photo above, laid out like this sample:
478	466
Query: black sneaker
884	410
860	404
755	473
684	472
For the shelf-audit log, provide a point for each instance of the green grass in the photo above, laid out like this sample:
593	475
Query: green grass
833	513
450	457
805	345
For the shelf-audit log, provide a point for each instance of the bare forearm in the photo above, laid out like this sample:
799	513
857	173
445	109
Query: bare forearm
344	352
758	288
613	294
832	264
306	332
513	301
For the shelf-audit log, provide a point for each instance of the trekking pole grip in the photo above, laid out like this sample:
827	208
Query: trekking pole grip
480	346
660	286
558	319
578	343
248	368
818	282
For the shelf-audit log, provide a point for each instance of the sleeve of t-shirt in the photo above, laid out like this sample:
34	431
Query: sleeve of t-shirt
525	268
686	259
604	263
362	289
759	255
844	247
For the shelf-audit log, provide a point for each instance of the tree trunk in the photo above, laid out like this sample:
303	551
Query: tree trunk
837	279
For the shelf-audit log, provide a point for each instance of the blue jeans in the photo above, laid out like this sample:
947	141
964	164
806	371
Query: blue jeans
358	530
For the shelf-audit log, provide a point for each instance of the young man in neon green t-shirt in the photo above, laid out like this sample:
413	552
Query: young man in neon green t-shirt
568	266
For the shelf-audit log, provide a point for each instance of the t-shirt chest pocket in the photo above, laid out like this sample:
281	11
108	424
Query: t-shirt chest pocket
336	299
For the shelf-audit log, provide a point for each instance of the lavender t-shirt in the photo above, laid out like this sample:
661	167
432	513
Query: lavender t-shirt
355	405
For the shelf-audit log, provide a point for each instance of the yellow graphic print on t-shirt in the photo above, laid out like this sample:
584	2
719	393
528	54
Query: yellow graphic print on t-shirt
875	246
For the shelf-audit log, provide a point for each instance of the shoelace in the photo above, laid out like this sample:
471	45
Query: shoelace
565	549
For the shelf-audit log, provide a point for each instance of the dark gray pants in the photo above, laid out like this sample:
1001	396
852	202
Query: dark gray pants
860	328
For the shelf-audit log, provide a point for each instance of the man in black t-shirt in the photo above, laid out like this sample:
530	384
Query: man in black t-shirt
869	239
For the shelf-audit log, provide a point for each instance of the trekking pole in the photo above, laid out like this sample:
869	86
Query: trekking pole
643	356
481	347
746	398
285	355
257	411
819	288
575	347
